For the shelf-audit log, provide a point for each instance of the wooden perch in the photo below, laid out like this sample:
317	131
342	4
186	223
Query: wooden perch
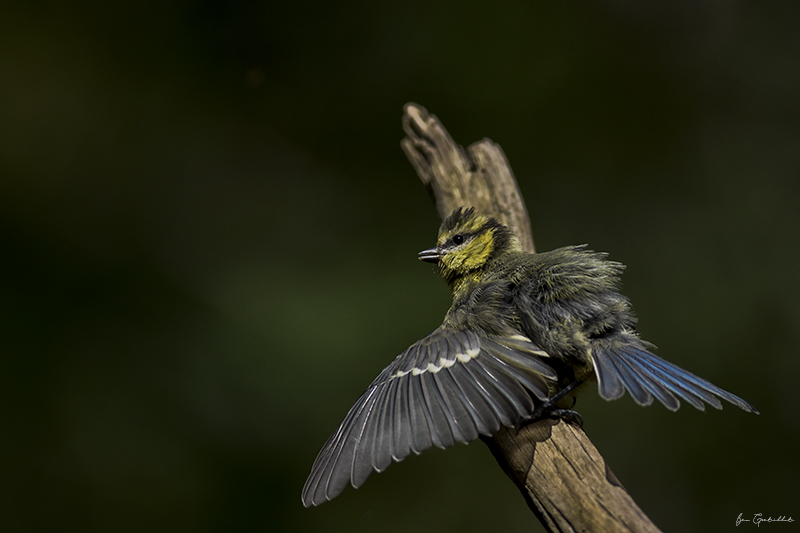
560	473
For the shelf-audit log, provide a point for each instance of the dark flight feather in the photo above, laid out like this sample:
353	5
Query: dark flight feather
451	386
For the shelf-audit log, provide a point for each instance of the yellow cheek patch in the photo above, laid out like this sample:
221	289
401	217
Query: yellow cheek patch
478	250
472	256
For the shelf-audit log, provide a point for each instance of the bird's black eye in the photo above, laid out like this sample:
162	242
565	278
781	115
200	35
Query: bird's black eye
458	239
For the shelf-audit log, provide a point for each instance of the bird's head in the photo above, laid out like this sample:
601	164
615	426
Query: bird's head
467	242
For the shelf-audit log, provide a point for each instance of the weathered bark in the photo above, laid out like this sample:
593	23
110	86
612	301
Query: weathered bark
560	473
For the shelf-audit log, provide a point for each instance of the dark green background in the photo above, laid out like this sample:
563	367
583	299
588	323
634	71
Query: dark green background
209	234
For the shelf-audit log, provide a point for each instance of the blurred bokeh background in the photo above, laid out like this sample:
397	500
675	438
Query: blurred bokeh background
208	238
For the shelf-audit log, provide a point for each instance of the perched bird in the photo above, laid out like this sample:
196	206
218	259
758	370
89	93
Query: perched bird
521	328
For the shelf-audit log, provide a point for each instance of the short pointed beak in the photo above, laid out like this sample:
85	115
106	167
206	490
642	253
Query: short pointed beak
432	255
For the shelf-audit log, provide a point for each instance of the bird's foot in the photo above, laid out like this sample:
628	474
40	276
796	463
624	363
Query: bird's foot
569	416
550	408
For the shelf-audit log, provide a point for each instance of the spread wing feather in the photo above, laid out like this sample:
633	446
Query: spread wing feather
451	386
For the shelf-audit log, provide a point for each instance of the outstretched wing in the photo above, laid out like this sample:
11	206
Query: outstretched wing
621	366
449	387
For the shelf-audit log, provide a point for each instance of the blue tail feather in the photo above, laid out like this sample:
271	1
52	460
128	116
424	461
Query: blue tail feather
645	375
